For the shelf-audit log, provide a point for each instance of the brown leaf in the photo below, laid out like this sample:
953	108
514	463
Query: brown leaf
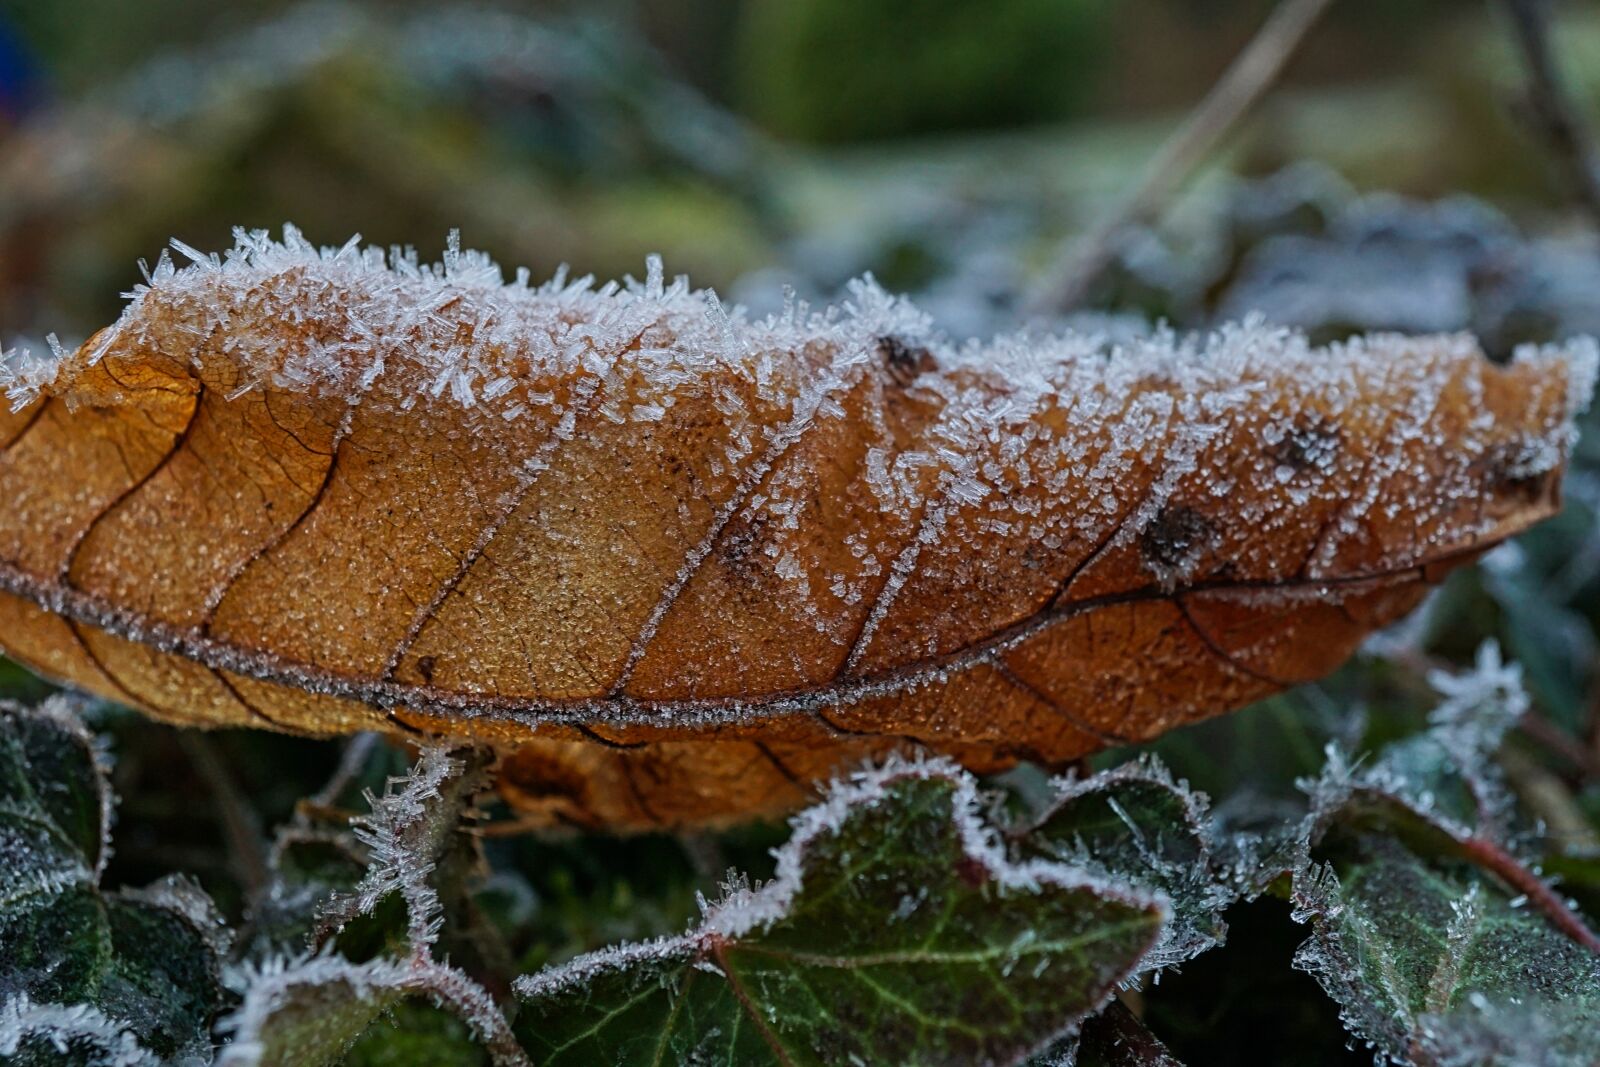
680	567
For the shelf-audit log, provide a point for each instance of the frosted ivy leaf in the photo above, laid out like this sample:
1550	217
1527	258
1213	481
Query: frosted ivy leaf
1430	928
126	977
309	1011
1434	953
896	931
1136	825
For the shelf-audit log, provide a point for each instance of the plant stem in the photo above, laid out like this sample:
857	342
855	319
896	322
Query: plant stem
1551	105
1491	857
1241	86
240	824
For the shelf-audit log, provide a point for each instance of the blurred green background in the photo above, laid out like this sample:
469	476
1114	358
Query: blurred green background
752	142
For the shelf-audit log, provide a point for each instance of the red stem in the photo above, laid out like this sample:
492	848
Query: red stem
1498	861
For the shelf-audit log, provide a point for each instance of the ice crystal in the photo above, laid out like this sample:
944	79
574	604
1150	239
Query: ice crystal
1479	704
745	909
1445	776
406	829
80	1031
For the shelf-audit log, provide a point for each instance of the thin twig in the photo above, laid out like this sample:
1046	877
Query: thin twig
1551	105
352	761
1244	83
246	843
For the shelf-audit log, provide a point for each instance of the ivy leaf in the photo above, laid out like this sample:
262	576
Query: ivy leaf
1437	940
1136	825
1429	953
415	1031
312	1009
1116	1038
1113	1038
94	975
895	931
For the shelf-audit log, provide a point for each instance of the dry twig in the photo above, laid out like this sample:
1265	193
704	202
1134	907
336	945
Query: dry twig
1550	104
1244	83
240	823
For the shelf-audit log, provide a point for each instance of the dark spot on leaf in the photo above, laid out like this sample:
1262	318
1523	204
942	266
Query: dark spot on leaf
741	548
904	361
1307	445
1518	469
1175	536
425	667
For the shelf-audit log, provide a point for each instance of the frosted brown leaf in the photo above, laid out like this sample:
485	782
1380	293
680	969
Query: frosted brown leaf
678	565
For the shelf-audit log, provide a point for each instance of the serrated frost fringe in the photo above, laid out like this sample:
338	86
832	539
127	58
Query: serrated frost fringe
267	986
395	862
388	304
744	908
68	1027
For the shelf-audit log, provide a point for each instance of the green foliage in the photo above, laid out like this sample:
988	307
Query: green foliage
911	916
141	967
846	70
1435	937
1432	954
417	1032
1135	825
1116	1038
895	932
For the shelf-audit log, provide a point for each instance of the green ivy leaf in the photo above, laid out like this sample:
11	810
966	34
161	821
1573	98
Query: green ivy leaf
135	970
308	1011
314	1009
1135	824
1425	954
417	1032
1116	1038
1437	940
896	931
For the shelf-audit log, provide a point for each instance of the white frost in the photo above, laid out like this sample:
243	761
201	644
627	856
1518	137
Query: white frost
746	909
82	1029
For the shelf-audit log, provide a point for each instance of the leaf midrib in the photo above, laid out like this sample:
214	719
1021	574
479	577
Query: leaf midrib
622	710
